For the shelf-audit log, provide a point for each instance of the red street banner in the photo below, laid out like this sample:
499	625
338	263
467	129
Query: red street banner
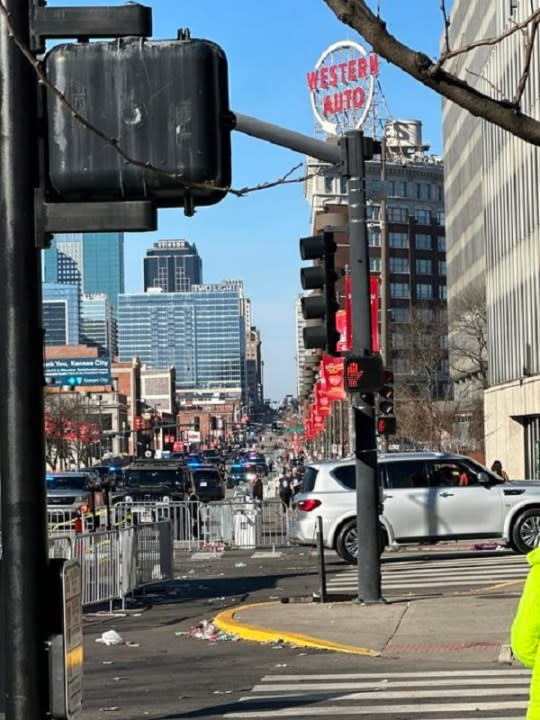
344	321
374	309
332	371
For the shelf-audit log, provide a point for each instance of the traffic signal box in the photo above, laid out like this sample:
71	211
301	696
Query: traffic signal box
160	116
386	420
323	305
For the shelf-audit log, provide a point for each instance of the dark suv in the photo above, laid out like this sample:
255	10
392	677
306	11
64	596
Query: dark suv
154	480
207	481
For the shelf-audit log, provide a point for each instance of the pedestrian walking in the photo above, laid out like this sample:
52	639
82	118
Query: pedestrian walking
285	490
257	489
193	505
497	468
525	633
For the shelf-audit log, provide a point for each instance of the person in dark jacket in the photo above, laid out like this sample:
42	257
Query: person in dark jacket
194	506
285	490
257	489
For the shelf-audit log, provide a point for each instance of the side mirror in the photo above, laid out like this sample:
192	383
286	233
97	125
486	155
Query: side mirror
484	478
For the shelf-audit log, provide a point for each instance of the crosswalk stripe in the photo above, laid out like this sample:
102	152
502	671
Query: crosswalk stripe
384	684
407	575
393	694
458	674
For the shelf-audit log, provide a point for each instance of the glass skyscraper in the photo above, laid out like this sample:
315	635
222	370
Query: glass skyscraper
201	333
92	261
97	327
173	266
60	314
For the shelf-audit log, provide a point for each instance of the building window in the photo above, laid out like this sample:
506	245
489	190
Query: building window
397	188
423	241
398	240
423	191
398	214
424	291
424	267
374	264
343	185
422	217
328	184
441	243
374	237
399	290
398	341
399	315
442	292
442	267
399	264
372	211
401	366
440	216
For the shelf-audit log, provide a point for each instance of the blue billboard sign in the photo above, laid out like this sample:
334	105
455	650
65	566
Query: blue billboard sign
78	371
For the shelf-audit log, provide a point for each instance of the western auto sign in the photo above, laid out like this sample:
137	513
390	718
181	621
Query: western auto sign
342	85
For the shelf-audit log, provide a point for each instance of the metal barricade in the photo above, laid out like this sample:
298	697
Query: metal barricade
153	552
235	522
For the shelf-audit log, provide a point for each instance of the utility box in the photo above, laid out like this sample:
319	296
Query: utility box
164	104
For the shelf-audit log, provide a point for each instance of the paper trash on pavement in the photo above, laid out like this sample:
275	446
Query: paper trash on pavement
110	637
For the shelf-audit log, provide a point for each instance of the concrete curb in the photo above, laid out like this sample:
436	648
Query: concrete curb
226	621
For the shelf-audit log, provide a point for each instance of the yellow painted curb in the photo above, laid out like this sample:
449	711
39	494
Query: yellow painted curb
225	621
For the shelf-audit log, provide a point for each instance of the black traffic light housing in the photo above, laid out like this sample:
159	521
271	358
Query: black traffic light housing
324	305
386	420
145	138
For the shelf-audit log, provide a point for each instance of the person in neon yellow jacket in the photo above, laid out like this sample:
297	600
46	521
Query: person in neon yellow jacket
525	634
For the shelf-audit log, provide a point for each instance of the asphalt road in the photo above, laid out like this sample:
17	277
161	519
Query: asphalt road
163	671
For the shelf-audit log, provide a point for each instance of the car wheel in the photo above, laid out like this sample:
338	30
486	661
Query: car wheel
526	530
347	542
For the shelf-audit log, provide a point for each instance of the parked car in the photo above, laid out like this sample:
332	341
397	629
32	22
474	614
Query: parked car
207	481
426	497
72	491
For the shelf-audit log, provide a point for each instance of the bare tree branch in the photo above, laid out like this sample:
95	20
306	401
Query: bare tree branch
505	114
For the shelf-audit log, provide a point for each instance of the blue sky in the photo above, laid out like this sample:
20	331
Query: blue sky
270	47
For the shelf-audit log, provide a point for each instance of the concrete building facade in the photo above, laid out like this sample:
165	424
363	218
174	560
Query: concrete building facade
493	227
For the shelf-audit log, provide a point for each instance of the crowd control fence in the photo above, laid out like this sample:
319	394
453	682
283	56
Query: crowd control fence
116	562
238	522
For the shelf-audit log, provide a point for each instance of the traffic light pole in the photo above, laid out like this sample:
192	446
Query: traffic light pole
365	447
22	454
350	156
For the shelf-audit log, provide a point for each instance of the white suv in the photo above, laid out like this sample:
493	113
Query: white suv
426	497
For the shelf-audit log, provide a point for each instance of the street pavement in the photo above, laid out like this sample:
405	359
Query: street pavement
240	636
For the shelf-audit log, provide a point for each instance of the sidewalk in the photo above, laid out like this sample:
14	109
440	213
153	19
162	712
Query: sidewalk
471	626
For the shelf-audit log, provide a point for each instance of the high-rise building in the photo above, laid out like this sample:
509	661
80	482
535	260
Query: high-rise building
200	333
173	266
405	210
493	225
97	326
92	261
60	314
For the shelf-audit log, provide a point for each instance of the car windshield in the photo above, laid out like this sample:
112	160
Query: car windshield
209	478
152	477
73	482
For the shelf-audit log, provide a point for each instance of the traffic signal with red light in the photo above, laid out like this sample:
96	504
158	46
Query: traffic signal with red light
386	420
138	422
323	305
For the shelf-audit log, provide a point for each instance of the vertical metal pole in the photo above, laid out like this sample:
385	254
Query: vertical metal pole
367	495
22	456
